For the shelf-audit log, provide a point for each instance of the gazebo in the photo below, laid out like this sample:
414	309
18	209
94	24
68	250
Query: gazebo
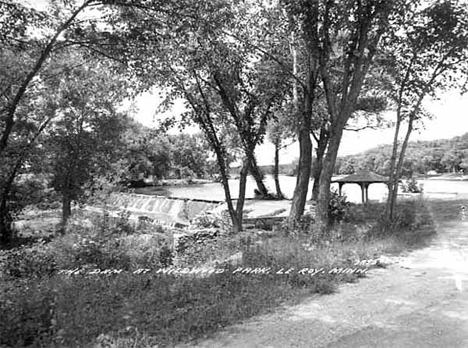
363	179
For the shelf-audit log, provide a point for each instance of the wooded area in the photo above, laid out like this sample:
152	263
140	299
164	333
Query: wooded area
422	157
248	71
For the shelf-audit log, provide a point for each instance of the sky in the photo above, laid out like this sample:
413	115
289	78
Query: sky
450	119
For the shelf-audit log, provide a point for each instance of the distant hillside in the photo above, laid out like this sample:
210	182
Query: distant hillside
444	155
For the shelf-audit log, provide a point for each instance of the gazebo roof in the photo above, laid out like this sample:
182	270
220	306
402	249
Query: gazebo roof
363	176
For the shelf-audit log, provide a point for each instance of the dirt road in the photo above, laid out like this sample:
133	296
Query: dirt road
420	300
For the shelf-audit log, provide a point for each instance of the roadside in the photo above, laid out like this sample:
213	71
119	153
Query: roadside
421	300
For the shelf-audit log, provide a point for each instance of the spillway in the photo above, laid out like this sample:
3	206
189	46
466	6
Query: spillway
166	210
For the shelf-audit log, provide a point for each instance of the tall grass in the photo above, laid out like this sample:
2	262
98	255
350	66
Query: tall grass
41	308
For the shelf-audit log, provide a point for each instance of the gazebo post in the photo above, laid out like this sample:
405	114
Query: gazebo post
363	195
366	185
340	186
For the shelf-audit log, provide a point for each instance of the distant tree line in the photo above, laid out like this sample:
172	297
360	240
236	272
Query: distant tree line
422	157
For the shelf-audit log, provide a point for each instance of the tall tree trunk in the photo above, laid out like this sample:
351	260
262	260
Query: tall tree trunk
279	194
393	177
399	168
241	199
318	165
393	181
6	231
305	161
66	209
305	144
227	192
256	173
303	176
326	176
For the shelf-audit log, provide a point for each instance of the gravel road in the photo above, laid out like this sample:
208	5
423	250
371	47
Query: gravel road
419	300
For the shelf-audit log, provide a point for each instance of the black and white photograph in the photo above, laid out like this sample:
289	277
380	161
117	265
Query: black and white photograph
233	173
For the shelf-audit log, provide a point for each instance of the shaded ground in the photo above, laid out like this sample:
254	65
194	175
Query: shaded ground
420	300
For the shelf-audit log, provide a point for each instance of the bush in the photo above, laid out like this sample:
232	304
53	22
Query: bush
409	217
339	209
32	262
411	186
218	219
108	242
205	247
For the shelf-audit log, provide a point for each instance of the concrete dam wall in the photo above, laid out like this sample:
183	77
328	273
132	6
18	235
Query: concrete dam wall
165	210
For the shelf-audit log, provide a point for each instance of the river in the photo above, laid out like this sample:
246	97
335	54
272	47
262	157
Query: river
377	192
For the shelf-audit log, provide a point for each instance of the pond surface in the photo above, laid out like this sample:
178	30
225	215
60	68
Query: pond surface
377	192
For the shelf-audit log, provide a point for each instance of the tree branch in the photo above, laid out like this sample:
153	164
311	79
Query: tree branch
10	117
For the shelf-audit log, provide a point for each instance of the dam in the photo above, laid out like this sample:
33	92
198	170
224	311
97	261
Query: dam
162	209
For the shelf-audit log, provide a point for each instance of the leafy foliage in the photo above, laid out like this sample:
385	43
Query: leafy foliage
426	54
339	208
440	156
412	186
85	138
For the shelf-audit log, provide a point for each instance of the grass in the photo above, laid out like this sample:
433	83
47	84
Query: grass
448	209
41	308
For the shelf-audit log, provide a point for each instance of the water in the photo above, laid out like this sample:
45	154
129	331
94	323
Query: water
377	192
449	187
182	210
214	191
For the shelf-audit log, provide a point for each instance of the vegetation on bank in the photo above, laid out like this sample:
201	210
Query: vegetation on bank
43	306
430	156
439	156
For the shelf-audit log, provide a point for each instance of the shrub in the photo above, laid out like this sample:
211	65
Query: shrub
29	262
339	209
409	216
198	248
218	218
165	256
411	186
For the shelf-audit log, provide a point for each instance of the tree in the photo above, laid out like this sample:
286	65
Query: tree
336	42
294	54
452	160
280	129
229	89
189	155
147	153
343	38
429	54
32	44
86	138
17	36
32	116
